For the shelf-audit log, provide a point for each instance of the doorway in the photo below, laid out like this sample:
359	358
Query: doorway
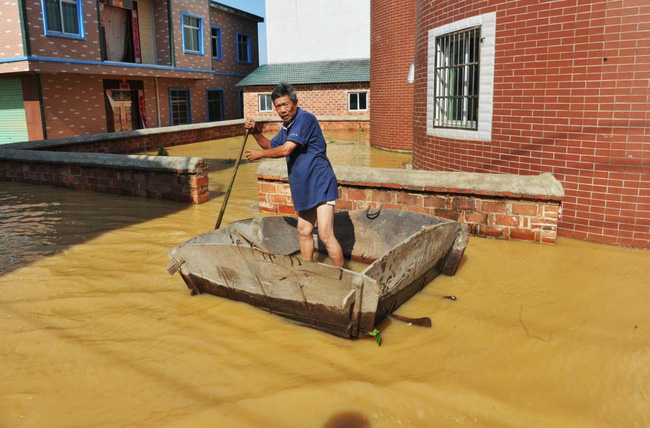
125	105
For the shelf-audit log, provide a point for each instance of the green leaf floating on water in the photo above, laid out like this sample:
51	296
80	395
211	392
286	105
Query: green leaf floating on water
377	335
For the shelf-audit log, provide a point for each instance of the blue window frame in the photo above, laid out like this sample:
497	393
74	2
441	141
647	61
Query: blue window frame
63	18
216	104
244	49
192	33
180	106
215	42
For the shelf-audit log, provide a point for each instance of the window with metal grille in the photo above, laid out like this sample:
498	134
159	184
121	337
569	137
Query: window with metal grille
456	84
179	106
216	105
266	104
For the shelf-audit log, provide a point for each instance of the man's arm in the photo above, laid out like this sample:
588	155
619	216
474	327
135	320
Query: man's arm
277	152
261	140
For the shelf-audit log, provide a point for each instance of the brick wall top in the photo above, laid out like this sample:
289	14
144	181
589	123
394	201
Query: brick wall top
70	141
538	187
135	162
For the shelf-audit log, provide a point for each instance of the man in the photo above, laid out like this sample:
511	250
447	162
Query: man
311	178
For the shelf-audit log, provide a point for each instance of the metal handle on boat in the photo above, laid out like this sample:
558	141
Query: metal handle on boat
373	214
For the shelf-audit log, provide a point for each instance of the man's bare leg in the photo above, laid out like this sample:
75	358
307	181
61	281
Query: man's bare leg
325	218
306	222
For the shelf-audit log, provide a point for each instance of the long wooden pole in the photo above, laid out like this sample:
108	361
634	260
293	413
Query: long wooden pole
232	181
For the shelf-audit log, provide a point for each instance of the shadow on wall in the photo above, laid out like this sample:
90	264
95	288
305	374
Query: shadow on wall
38	221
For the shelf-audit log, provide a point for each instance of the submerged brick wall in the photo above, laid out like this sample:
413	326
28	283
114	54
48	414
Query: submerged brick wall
97	162
154	177
523	208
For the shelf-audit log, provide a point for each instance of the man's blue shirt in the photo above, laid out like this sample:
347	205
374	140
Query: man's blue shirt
311	176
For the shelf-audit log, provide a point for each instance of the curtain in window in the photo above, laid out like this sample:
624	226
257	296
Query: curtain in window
70	17
242	48
52	15
191	33
115	21
215	106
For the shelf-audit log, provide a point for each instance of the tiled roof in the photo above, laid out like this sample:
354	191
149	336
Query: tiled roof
236	11
341	71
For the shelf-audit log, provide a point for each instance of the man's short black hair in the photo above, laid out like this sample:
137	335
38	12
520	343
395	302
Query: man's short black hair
282	89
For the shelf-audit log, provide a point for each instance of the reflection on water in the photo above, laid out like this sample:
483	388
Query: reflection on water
93	332
36	221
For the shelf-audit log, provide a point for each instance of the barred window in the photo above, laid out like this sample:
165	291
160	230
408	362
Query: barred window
216	105
179	102
456	85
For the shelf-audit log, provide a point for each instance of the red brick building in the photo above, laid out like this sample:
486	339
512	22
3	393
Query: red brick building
77	67
336	90
392	51
526	87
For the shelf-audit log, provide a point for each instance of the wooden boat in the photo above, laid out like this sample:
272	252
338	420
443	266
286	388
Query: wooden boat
257	261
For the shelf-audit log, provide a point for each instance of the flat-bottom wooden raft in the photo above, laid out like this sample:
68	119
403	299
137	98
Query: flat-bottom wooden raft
252	261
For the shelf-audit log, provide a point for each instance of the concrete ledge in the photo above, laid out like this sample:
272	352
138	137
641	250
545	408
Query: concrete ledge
543	186
135	162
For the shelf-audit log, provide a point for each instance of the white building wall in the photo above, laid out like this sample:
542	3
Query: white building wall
317	30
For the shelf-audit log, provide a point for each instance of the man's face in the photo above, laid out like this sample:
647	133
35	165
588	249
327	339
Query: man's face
286	108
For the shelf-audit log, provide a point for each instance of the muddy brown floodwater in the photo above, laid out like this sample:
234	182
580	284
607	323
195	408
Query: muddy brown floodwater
95	333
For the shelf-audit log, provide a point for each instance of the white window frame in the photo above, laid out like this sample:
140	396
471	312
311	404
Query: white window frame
357	93
487	22
262	103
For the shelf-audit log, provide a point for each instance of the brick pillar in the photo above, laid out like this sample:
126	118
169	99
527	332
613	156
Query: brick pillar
392	49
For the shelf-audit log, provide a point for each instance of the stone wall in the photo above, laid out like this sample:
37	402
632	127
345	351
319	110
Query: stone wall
154	177
511	207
